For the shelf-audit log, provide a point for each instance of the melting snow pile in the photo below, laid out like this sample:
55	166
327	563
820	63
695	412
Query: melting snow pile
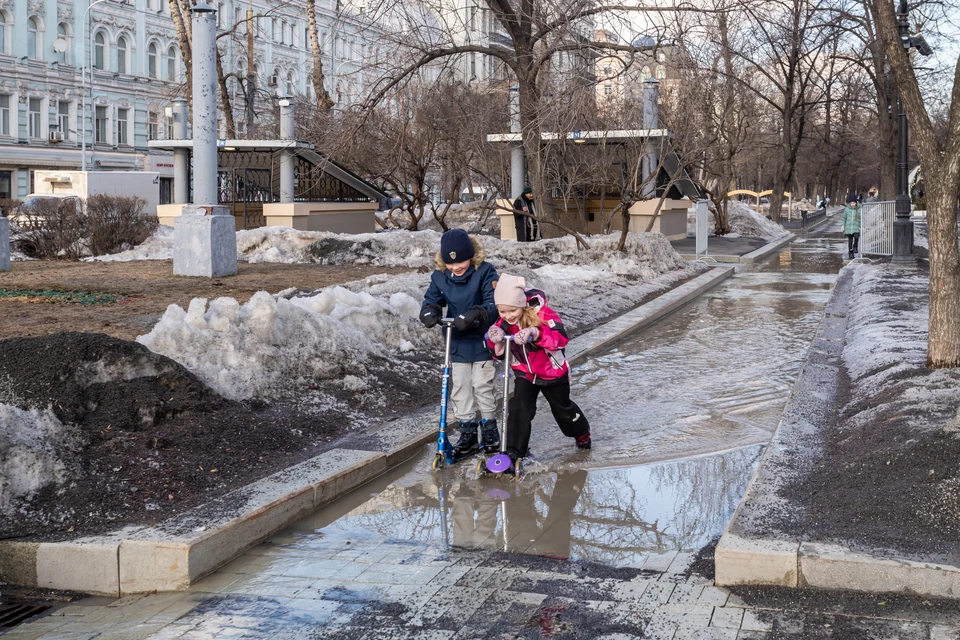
277	342
35	449
744	222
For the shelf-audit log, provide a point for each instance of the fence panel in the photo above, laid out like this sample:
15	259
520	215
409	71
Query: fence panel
876	228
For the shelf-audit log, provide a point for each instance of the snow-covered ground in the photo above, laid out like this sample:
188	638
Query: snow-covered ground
346	335
744	223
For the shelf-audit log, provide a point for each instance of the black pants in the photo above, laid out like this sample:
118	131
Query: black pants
523	408
853	243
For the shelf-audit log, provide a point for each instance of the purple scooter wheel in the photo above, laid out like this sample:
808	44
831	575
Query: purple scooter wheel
499	463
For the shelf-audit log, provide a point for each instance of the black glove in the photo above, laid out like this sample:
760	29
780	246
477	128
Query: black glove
470	319
430	315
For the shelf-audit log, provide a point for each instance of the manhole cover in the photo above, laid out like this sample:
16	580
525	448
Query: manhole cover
13	614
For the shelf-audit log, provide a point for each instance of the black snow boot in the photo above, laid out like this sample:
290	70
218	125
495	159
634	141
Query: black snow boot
491	436
468	443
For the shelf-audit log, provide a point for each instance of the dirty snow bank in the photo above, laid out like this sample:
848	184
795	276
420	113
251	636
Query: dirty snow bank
366	329
35	448
744	222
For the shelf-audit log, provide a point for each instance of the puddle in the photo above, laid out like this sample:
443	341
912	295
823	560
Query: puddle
680	415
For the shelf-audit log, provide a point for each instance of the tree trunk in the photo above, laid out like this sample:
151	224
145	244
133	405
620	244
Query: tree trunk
225	103
943	340
324	101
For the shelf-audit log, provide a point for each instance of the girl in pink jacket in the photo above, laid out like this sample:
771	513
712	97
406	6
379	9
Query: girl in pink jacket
537	355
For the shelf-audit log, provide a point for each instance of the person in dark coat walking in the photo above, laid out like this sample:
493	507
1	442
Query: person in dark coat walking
463	283
528	229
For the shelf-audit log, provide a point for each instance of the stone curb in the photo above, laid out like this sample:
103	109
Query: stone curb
183	549
748	258
771	247
752	551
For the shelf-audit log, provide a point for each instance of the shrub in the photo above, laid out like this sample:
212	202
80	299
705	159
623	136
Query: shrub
50	228
116	223
8	205
59	228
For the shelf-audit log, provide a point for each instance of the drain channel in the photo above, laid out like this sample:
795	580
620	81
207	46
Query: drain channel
14	613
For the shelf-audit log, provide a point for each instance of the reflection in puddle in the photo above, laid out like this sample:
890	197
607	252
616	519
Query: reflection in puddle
613	516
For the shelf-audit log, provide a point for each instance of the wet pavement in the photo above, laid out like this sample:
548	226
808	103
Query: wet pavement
587	544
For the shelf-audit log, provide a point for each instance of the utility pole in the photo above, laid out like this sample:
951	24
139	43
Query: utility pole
902	225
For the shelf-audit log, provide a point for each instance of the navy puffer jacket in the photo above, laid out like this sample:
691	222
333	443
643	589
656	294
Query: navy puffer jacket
473	289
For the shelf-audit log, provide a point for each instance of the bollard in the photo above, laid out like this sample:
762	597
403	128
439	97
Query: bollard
181	157
4	244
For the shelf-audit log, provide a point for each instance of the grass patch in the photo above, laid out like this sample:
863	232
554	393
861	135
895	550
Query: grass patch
53	297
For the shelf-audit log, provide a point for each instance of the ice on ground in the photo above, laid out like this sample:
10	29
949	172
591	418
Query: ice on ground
744	222
886	348
33	447
277	342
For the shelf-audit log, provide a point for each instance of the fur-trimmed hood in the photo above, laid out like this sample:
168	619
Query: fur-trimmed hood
478	256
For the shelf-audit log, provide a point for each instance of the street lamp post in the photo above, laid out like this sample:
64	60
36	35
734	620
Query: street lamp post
902	225
83	83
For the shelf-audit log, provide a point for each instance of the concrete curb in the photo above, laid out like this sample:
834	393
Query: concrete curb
759	254
748	258
183	549
753	551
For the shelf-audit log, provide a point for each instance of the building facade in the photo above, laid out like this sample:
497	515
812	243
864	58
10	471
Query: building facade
130	54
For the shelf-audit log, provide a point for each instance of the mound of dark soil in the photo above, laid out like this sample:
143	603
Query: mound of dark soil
154	439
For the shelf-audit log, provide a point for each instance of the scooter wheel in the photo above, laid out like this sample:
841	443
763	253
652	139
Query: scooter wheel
481	468
437	462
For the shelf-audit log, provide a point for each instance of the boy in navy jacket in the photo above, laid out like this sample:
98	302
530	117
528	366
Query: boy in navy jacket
463	283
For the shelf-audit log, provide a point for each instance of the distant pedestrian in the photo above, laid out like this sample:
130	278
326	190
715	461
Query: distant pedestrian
851	225
539	338
528	229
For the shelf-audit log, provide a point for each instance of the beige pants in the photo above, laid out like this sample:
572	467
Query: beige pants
472	388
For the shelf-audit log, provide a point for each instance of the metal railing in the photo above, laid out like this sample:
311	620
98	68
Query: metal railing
876	228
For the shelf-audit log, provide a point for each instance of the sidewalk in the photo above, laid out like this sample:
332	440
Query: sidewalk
858	489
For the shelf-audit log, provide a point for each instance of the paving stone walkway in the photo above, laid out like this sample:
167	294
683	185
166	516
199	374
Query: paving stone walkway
369	589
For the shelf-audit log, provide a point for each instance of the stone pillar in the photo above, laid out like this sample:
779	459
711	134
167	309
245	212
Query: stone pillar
517	168
4	244
651	120
286	156
181	157
204	236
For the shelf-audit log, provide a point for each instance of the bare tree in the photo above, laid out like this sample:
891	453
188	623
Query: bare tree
940	158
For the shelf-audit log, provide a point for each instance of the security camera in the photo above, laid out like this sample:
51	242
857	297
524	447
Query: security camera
918	42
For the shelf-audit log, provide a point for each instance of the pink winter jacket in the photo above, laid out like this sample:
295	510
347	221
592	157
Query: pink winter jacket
543	360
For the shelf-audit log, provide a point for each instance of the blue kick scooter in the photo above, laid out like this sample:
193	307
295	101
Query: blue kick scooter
444	448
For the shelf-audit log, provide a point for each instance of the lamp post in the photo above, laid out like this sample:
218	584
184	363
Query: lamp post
83	83
902	225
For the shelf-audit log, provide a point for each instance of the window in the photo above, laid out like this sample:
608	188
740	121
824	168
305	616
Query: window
6	184
274	29
62	35
608	70
32	38
153	125
607	90
4	115
306	36
662	57
290	83
122	115
34	112
98	51
171	64
152	60
661	73
101	124
473	18
644	74
121	55
3	33
63	118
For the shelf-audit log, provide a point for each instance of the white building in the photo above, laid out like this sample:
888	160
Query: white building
136	66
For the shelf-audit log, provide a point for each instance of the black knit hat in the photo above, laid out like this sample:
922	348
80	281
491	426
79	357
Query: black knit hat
851	197
455	246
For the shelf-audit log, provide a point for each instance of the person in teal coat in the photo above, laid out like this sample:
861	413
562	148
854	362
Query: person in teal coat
851	225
